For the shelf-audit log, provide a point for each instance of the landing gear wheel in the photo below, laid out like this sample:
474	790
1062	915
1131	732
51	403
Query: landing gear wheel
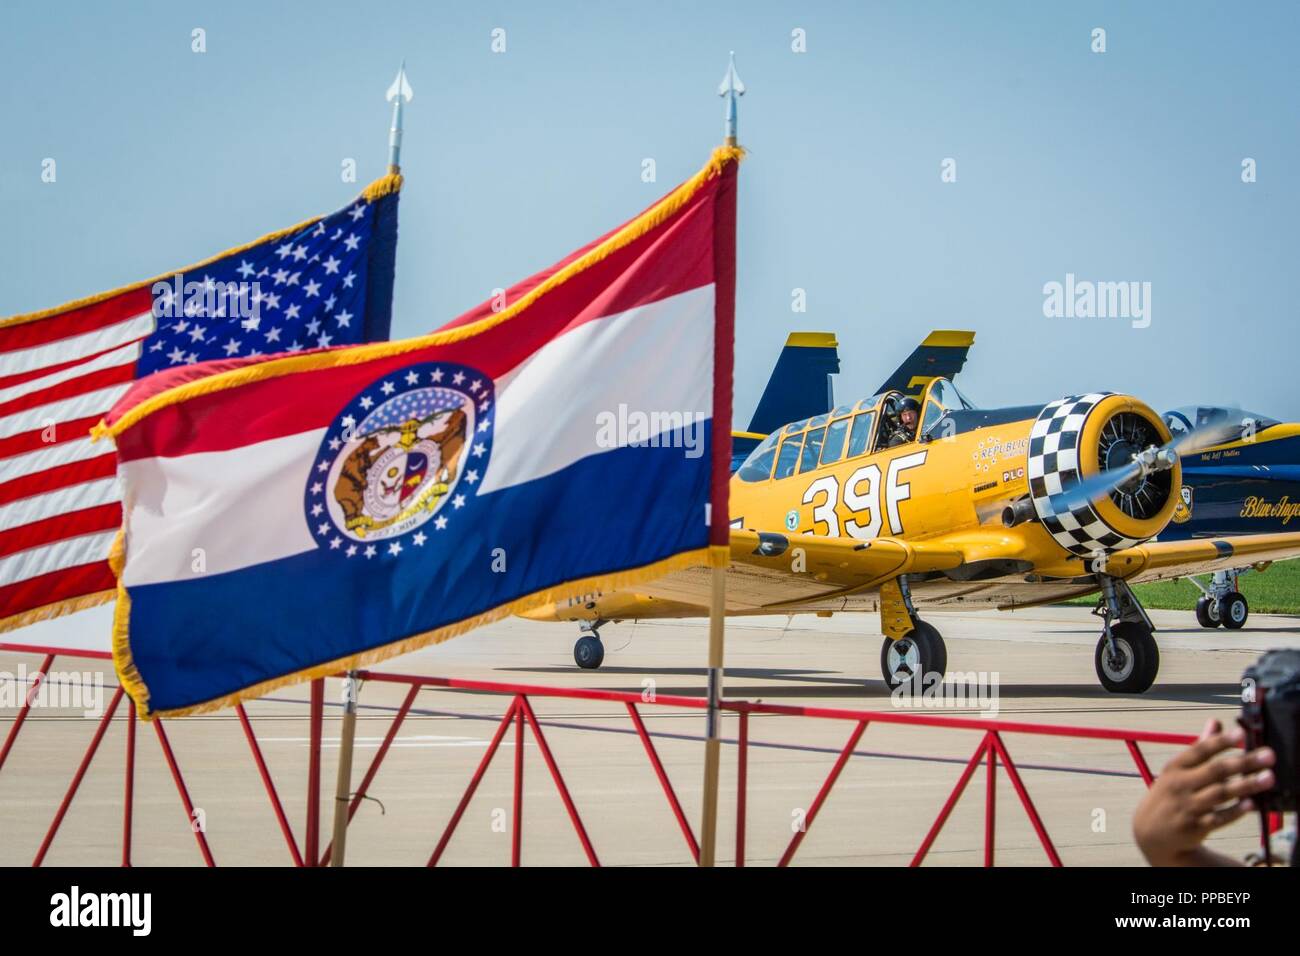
1233	610
588	652
1134	669
1207	611
920	651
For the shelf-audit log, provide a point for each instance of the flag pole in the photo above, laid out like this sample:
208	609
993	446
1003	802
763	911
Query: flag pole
731	89
399	94
343	786
712	732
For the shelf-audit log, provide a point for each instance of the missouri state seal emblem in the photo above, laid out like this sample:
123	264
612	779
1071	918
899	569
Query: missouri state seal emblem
406	451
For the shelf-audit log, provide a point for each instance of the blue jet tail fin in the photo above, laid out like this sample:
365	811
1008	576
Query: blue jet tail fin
799	387
942	354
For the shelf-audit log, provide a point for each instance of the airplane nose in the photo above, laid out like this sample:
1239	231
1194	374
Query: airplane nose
1076	447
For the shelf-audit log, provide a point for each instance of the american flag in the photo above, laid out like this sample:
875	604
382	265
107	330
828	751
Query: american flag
322	283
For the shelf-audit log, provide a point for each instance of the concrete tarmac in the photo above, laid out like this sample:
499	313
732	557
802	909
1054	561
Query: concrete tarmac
877	814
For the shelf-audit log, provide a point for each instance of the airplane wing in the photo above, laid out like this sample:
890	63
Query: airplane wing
776	572
943	353
1159	560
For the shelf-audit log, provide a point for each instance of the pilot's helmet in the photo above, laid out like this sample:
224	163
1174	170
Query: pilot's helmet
909	404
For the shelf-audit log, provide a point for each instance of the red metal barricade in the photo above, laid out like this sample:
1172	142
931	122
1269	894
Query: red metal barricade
128	800
991	751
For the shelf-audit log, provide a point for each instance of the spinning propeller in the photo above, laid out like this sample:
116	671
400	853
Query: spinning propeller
1144	462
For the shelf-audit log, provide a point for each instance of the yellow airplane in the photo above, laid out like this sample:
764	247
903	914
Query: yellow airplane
857	510
800	384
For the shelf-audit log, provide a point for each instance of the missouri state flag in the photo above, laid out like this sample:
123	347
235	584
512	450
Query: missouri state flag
306	514
326	281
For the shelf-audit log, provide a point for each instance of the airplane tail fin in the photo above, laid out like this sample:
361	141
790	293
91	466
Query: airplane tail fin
943	353
799	387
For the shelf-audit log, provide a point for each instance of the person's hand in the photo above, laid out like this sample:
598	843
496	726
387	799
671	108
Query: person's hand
1196	794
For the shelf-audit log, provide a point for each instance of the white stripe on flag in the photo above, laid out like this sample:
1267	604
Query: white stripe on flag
241	507
76	346
59	556
64	410
654	358
244	506
126	355
88	494
19	466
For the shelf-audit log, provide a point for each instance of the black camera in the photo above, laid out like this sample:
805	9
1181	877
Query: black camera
1270	716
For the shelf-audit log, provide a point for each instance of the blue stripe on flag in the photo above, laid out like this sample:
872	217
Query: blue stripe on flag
595	517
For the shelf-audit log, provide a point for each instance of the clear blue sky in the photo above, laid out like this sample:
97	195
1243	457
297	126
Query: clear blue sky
1116	166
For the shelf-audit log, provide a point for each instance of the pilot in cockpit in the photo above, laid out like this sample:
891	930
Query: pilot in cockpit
909	413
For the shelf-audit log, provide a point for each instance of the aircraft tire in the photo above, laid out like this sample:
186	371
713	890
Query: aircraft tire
1206	612
588	652
1139	664
1233	610
922	647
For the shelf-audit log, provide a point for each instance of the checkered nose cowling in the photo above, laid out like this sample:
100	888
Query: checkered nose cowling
1054	466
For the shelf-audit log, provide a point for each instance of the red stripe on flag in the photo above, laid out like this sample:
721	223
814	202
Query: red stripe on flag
21	377
574	294
63	325
55	587
89	382
52	479
72	524
34	440
517	291
638	274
